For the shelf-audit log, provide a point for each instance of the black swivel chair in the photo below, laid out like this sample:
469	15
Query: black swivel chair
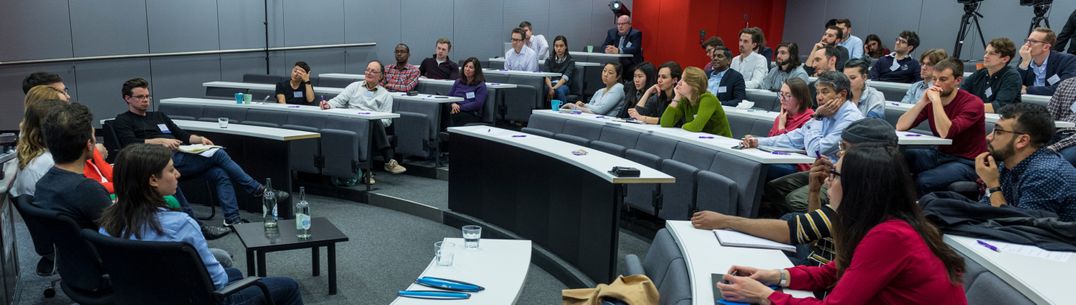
155	272
81	276
42	242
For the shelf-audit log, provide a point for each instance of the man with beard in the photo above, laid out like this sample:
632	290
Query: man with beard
829	39
1029	175
953	114
788	65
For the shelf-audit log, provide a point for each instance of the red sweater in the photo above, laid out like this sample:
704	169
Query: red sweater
97	169
891	265
968	131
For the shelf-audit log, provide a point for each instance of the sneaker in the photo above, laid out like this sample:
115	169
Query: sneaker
394	167
213	232
232	222
368	178
46	266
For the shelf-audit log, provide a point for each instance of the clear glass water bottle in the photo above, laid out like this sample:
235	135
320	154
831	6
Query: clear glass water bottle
269	205
302	215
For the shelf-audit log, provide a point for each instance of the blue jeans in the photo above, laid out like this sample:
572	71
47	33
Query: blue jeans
1069	153
561	93
284	290
221	171
936	170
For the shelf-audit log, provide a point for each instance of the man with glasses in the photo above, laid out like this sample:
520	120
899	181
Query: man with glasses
45	78
520	58
1029	175
401	76
369	95
899	66
819	137
624	39
998	84
1042	68
811	231
953	114
140	125
926	74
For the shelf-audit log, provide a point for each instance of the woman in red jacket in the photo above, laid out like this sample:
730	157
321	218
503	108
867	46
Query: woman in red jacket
887	253
796	104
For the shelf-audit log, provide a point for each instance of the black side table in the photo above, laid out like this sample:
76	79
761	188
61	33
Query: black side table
257	242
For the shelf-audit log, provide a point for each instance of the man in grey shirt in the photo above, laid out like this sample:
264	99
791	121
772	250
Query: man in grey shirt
788	65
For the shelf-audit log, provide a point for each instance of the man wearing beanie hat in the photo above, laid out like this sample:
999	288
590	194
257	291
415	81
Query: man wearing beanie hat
811	228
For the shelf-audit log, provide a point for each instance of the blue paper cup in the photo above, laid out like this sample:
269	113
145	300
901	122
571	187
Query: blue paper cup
238	97
556	104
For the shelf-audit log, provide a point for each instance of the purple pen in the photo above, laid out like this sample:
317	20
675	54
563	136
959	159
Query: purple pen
783	153
363	112
706	137
912	134
519	136
988	246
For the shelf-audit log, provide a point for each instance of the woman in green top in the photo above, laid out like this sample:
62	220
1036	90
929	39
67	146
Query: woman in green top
699	109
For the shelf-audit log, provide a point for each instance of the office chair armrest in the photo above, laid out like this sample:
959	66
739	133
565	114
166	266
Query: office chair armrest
236	286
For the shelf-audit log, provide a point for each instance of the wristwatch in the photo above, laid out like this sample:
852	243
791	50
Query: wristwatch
784	279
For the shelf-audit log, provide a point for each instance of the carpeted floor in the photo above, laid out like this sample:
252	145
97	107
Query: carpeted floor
386	251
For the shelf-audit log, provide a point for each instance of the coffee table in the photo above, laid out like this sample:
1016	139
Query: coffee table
257	243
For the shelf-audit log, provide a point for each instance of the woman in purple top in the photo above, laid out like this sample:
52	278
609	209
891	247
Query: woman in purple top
471	86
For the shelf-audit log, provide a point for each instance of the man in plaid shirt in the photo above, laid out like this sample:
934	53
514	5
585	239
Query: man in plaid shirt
1061	109
401	76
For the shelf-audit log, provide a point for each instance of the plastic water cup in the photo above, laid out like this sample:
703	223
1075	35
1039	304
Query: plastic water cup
556	104
443	254
239	97
471	235
247	97
590	48
223	121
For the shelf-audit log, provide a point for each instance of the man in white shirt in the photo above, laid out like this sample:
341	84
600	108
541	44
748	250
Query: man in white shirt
519	58
369	95
535	42
850	42
751	65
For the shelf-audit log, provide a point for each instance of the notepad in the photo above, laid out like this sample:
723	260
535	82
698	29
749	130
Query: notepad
781	149
730	238
200	149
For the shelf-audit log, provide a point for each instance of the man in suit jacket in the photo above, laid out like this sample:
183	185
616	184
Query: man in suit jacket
1041	68
727	84
623	39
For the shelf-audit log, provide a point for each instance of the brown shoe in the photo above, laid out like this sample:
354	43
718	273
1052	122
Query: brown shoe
394	167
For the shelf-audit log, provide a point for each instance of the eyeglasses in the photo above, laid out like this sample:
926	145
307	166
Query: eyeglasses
142	97
784	96
902	40
517	39
1033	41
834	174
998	131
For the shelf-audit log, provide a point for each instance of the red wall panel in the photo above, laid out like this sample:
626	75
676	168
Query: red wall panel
671	27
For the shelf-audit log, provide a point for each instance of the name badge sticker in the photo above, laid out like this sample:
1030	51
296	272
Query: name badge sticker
989	92
469	95
296	94
164	128
722	89
1053	80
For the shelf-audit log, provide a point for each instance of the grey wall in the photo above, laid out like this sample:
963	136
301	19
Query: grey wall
936	21
42	29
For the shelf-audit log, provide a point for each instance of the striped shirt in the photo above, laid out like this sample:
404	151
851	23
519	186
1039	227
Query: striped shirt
814	228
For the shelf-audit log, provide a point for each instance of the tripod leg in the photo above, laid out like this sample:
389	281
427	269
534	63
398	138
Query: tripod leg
961	34
980	30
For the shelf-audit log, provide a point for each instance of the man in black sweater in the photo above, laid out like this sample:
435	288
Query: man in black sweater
139	125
